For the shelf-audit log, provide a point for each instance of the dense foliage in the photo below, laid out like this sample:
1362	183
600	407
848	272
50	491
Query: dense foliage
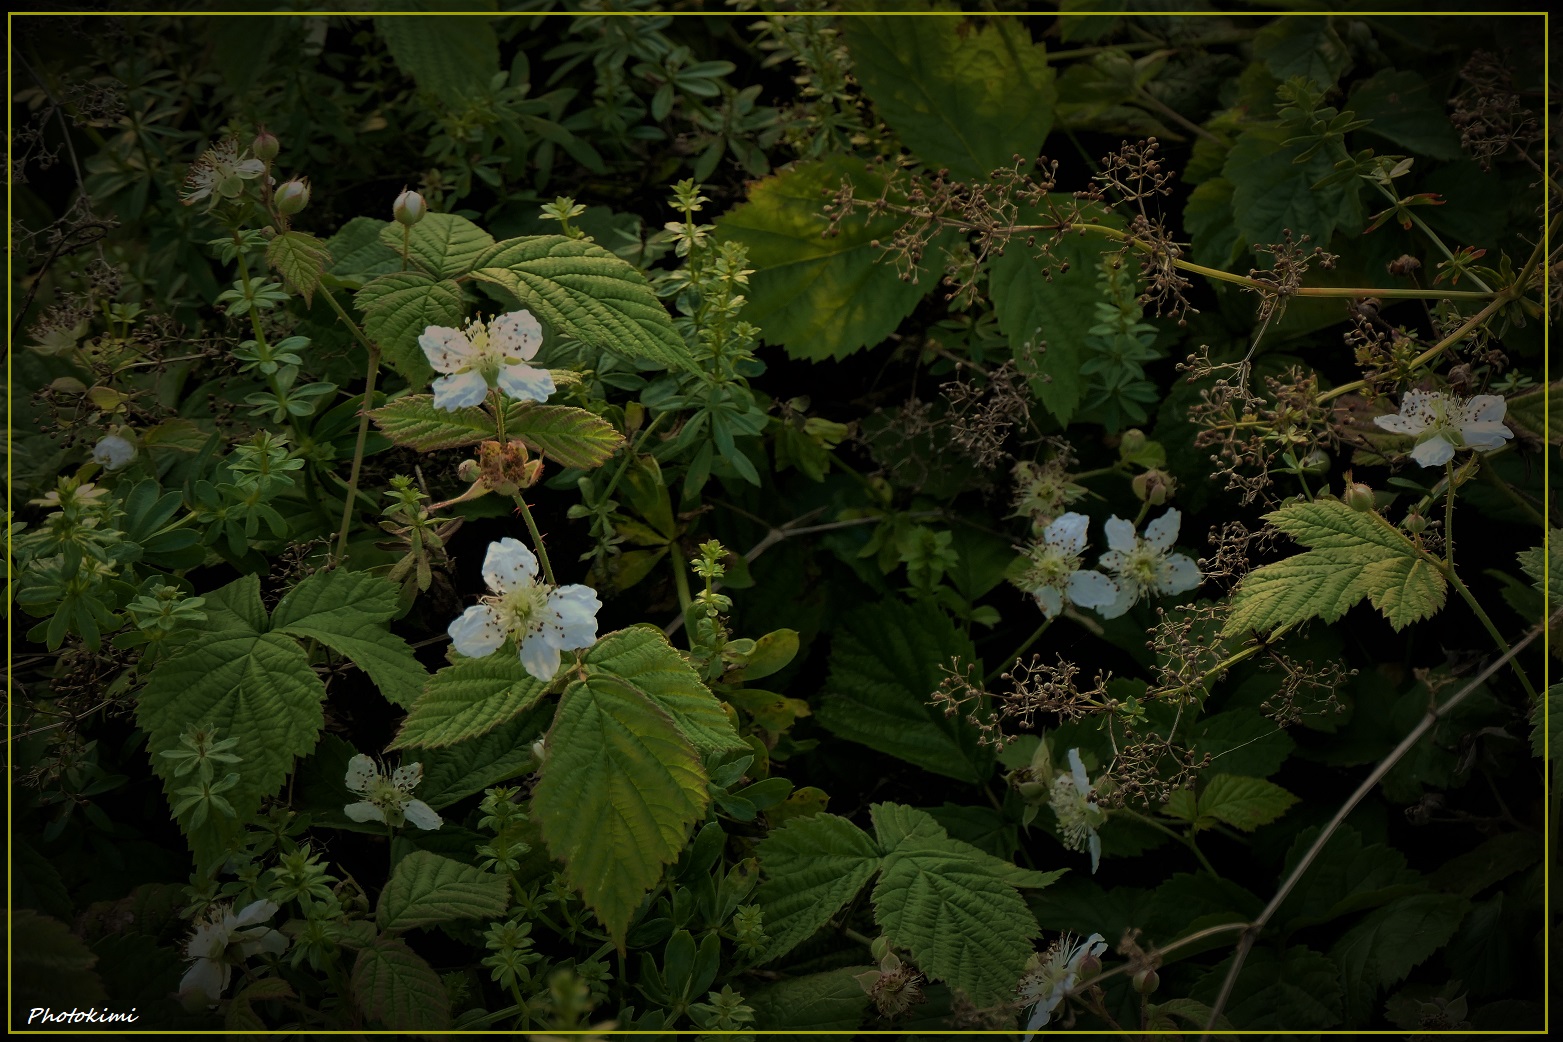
780	521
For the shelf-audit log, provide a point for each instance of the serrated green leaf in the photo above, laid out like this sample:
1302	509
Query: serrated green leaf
455	772
812	867
443	244
952	906
642	657
425	889
415	422
236	606
1299	989
468	698
580	290
1539	411
1243	741
1546	724
1404	109
906	829
51	964
454	58
616	762
813	1002
884	666
394	986
1345	877
1306	47
299	258
1243	803
822	297
1353	555
568	436
347	612
398	307
961	97
1383	948
356	250
257	688
1214	238
1046	311
1272	194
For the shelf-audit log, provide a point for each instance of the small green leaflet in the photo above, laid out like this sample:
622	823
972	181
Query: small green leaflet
569	436
642	658
1353	555
415	422
347	612
812	867
299	258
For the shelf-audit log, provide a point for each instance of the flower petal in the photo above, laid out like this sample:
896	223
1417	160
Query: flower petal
576	608
1120	534
407	776
1163	532
518	334
1095	843
477	632
202	983
254	912
361	773
1434	452
422	815
1090	589
1177	574
525	384
448	350
1484	408
460	391
508	565
364	811
1049	599
113	452
540	657
269	942
1128	593
1484	436
1400	424
1068	533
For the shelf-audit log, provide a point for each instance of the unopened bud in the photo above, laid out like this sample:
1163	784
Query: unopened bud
1132	442
880	948
1089	966
1414	523
265	146
292	197
1316	462
539	752
1154	487
1146	981
467	470
1358	496
409	208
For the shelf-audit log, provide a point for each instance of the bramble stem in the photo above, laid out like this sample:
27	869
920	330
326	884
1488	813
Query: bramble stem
1251	930
1431	353
537	540
1492	631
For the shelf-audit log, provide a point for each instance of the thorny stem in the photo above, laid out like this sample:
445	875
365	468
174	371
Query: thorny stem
1251	930
537	540
1536	254
1449	513
1492	631
1159	954
363	420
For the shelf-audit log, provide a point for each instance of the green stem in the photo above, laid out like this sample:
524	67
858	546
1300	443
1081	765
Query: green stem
628	456
1492	631
1186	840
680	580
363	422
1014	656
537	540
1536	254
1431	353
1449	514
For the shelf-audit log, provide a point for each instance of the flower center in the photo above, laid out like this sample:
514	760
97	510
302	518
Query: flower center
1049	567
1143	562
521	609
